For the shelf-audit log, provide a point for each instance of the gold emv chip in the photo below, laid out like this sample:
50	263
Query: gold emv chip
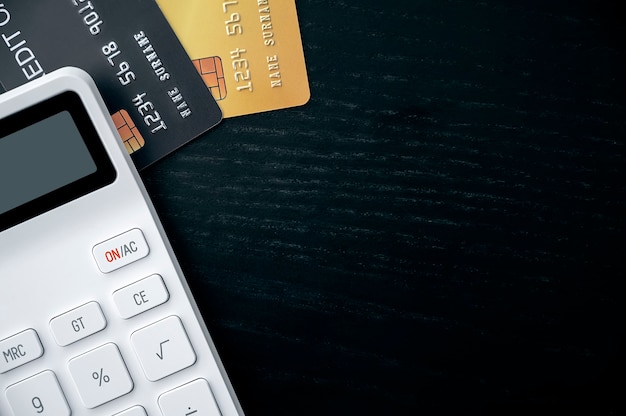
130	135
212	73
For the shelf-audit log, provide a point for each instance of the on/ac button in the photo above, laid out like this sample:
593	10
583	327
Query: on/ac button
120	250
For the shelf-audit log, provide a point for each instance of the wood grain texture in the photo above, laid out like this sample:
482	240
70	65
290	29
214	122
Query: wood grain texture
440	230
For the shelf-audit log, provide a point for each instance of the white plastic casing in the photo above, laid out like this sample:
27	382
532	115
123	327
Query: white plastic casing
47	268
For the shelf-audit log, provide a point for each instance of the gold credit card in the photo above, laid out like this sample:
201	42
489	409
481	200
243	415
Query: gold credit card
248	52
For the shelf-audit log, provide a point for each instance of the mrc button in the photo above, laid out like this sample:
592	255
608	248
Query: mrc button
19	349
121	250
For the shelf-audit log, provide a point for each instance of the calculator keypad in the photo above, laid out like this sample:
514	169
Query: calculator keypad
101	375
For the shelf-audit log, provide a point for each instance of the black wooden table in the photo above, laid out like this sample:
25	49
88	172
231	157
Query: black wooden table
440	230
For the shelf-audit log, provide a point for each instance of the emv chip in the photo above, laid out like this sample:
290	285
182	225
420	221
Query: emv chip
132	138
212	73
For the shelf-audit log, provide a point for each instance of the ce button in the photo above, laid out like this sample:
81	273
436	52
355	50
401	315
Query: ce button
140	296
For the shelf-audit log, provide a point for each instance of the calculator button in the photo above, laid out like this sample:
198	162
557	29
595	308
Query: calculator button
121	250
100	375
192	399
40	394
19	349
133	411
163	348
78	323
140	296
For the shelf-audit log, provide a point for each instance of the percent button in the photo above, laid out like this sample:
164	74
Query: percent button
100	375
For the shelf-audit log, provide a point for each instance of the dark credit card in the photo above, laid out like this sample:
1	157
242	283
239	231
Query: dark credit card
156	97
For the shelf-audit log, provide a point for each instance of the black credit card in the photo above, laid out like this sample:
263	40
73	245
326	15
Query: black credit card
156	97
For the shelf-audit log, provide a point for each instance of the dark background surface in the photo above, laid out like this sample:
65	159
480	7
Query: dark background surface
440	230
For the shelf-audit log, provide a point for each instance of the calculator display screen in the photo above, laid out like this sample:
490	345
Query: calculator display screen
37	171
50	154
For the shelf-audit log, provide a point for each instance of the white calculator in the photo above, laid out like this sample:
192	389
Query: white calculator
96	317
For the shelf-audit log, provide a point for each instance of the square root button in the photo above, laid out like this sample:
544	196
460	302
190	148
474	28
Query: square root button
163	348
120	250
